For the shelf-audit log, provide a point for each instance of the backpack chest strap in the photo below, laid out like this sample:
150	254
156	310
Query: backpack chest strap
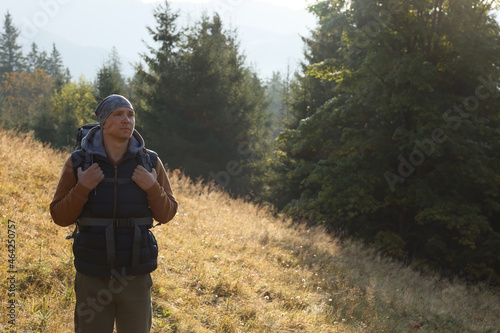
119	181
110	225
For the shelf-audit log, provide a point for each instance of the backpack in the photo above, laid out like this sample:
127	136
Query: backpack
82	132
143	156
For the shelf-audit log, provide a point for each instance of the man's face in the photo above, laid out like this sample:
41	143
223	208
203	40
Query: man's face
120	123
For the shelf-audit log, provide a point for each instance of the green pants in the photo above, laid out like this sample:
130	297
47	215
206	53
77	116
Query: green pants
101	302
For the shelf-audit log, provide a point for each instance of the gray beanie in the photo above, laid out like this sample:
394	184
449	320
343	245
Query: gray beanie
110	104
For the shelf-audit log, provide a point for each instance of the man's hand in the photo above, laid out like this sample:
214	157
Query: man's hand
91	177
143	178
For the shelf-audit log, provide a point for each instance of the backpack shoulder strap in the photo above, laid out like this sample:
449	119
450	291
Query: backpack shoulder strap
148	159
81	158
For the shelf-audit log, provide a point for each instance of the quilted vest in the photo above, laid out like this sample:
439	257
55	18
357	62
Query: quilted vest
115	246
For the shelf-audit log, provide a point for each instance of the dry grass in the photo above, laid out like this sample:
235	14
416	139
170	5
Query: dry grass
226	266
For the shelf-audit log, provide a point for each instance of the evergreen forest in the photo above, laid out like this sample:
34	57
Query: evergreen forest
387	133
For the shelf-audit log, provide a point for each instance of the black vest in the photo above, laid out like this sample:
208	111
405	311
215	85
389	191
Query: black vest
116	198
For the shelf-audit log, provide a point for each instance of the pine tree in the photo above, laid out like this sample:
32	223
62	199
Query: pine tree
155	83
305	95
200	98
109	77
222	99
278	96
11	56
55	68
32	59
405	152
36	59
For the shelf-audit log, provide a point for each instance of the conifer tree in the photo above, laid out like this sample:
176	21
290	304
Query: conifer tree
405	151
278	93
200	98
32	59
306	94
222	98
55	68
155	82
36	59
11	56
109	77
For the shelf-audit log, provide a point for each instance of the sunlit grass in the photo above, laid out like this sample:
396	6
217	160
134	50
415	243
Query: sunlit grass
227	265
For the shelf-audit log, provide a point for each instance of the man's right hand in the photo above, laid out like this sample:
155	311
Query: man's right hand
91	177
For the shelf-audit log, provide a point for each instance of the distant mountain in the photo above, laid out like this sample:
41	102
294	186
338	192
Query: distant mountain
85	31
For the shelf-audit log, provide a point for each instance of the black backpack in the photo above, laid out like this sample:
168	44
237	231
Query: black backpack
143	156
82	132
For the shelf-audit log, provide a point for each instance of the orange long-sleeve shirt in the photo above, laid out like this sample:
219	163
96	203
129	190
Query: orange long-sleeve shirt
71	196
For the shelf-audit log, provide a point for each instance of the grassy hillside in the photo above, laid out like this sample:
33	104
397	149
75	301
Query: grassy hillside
225	266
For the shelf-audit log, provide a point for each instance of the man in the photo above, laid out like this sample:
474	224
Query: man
107	190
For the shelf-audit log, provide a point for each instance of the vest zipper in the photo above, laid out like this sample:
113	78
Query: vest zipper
115	200
115	208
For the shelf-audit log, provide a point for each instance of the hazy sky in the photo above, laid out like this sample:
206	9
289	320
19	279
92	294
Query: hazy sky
293	4
85	31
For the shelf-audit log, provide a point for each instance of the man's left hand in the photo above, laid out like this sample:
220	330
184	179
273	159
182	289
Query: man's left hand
143	178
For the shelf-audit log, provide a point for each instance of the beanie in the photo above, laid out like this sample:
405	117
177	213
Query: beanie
110	104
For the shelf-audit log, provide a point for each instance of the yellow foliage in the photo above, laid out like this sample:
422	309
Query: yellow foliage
24	97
